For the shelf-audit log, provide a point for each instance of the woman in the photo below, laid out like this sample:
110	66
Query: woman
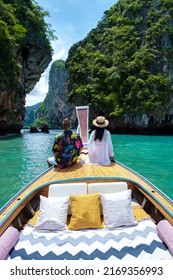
100	149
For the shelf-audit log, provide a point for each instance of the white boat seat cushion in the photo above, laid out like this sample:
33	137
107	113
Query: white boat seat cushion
107	187
67	189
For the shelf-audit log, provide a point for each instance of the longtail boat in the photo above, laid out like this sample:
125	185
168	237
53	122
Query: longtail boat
150	237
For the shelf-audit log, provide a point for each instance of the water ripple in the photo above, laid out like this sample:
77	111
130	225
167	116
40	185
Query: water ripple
23	157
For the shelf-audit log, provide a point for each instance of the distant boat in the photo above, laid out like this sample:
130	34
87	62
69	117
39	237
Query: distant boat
148	238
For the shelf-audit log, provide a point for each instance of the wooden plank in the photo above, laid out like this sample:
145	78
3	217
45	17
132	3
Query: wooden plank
83	170
111	170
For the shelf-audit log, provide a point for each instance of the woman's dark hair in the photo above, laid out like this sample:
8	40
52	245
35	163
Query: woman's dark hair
99	133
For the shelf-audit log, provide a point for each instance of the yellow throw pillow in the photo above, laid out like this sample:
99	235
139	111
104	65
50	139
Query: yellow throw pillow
85	210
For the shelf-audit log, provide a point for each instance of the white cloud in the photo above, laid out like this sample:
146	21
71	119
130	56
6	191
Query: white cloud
39	92
33	99
60	49
62	54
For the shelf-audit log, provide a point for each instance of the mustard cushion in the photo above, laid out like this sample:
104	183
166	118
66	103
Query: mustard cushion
140	213
85	211
137	210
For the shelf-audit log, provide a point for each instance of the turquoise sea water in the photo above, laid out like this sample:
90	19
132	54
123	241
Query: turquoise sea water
23	157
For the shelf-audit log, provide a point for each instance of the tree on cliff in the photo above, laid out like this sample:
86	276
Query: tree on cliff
17	18
125	64
25	52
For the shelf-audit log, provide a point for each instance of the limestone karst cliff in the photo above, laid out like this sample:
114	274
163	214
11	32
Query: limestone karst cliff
124	67
25	52
55	106
12	100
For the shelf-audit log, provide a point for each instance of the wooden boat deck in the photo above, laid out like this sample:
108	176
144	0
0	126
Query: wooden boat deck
115	170
86	172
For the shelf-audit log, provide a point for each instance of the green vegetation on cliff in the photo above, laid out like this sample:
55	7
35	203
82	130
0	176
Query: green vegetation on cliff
125	64
54	107
44	112
17	18
11	34
41	113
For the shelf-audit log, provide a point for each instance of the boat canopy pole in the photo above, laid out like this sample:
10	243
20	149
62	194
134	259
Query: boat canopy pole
83	120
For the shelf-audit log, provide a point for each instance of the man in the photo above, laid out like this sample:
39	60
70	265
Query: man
66	147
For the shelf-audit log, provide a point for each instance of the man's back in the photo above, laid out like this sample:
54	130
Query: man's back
66	148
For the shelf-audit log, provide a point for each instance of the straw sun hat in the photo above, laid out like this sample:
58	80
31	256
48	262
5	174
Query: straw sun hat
100	122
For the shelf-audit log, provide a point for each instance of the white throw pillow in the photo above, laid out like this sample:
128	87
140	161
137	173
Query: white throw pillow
53	213
117	210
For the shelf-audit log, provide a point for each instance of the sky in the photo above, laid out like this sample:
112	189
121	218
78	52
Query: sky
72	20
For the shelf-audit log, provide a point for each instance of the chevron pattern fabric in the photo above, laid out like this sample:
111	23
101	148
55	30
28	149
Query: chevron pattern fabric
137	242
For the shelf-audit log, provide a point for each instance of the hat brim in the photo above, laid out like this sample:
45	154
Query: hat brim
100	124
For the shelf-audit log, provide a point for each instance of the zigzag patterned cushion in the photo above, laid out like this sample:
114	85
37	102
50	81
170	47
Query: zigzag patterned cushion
137	242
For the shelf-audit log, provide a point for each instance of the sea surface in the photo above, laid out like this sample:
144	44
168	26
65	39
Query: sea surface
23	157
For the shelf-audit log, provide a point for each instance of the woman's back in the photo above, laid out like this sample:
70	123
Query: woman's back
100	151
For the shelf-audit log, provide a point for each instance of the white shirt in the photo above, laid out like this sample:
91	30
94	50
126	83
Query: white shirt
99	152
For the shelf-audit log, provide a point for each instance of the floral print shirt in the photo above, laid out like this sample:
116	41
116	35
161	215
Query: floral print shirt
67	145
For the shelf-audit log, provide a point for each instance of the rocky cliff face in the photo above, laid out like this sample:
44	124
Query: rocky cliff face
25	52
30	114
33	60
142	124
56	104
12	110
124	67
